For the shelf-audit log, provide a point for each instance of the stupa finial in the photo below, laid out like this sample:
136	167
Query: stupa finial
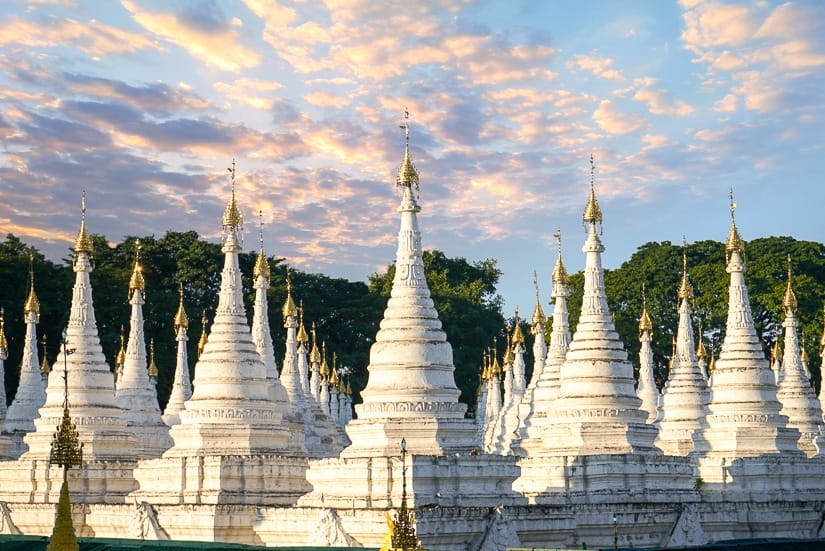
120	359
324	369
83	243
181	319
518	336
559	272
203	339
789	300
592	212
539	319
315	354
407	174
261	264
44	365
32	304
735	242
4	343
289	309
645	324
302	336
152	368
232	215
136	282
701	351
685	291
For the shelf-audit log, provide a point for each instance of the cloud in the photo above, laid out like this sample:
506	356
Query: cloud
253	92
207	37
95	38
615	122
599	66
156	98
728	104
658	101
711	24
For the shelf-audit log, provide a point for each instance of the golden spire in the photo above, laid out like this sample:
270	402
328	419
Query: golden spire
645	324
803	352
407	175
4	344
518	336
685	291
261	263
592	212
333	374
484	367
152	368
324	369
776	351
302	337
232	216
495	367
789	301
44	365
509	356
539	319
202	341
711	365
701	352
672	354
735	242
314	354
120	359
83	243
348	387
181	320
559	273
289	310
136	282
32	304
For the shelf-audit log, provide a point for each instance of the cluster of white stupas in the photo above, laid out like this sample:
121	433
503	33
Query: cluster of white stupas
580	455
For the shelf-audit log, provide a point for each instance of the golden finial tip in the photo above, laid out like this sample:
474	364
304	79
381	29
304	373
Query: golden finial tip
789	300
289	309
685	291
232	217
407	174
181	320
136	282
83	243
645	323
592	212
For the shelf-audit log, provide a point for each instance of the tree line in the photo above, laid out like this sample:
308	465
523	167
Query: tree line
347	313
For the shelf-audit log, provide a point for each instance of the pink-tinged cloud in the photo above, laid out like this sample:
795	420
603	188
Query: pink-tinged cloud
599	66
325	99
260	94
613	121
728	104
95	38
218	47
658	102
711	24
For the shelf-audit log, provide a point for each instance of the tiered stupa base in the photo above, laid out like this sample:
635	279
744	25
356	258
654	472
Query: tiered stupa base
233	480
735	436
424	436
602	434
35	481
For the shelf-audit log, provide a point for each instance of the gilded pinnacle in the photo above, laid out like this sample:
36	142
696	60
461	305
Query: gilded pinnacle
83	243
44	365
136	282
685	291
735	242
407	174
645	324
302	337
261	267
232	217
509	357
789	301
518	336
776	351
203	339
32	304
289	309
592	212
711	365
560	276
4	344
701	352
120	359
539	319
152	368
181	319
324	369
315	354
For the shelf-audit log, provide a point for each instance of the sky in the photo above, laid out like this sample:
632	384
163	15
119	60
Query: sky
145	103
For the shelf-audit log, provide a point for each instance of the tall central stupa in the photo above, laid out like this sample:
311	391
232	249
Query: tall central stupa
411	391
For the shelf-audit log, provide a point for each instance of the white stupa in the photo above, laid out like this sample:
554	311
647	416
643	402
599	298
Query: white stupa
799	403
31	390
509	421
100	423
134	391
5	441
181	385
744	417
232	446
597	410
542	398
646	390
685	395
